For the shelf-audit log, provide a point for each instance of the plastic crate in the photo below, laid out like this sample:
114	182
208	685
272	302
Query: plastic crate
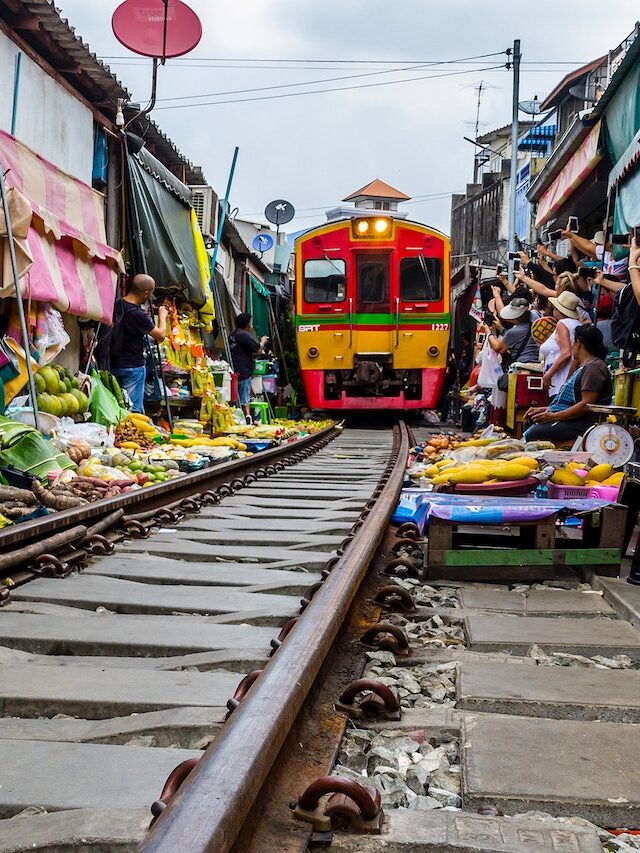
603	493
261	367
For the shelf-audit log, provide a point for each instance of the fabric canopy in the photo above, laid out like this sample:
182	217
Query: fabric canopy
622	115
161	234
584	161
73	267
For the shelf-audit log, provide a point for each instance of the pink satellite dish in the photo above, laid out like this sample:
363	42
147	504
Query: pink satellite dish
158	28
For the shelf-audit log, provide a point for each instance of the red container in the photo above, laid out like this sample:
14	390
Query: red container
529	391
234	387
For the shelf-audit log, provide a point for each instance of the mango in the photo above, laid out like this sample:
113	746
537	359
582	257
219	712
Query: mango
600	472
510	471
562	477
614	479
528	462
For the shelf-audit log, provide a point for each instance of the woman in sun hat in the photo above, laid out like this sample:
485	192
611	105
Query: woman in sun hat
556	350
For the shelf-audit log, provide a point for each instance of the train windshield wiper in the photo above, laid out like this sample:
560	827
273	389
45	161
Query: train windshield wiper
427	277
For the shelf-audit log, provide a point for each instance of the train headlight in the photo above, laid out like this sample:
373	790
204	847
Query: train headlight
382	226
434	352
362	227
313	352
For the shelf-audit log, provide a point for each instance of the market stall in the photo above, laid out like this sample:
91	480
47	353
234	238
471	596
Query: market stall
493	505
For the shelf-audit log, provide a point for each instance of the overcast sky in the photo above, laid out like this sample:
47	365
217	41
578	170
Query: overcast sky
314	149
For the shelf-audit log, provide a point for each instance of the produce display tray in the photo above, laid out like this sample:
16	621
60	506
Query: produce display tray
508	488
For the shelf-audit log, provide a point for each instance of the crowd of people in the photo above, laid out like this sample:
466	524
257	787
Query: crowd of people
556	317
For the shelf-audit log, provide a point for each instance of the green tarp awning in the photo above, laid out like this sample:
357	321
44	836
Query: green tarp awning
257	301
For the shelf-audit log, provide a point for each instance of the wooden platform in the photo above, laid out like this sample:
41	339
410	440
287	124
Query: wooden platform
524	552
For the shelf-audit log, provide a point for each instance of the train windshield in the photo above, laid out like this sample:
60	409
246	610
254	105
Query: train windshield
325	280
372	279
420	279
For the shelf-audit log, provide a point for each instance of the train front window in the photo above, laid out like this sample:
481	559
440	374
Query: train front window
325	280
372	277
420	279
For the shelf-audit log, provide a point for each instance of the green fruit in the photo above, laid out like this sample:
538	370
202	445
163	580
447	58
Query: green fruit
71	403
62	405
41	386
75	383
151	477
43	401
83	400
51	380
55	406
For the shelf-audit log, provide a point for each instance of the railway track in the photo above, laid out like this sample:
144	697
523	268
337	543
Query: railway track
188	690
114	675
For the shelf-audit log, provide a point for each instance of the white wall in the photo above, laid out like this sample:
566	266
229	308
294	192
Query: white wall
51	121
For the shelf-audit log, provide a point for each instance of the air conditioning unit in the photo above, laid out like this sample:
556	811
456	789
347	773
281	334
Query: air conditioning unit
205	204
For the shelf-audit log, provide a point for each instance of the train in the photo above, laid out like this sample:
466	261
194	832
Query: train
372	311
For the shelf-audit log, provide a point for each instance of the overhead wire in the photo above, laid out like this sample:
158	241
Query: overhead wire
321	91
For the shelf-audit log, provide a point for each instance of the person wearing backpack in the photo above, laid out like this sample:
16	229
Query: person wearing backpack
128	336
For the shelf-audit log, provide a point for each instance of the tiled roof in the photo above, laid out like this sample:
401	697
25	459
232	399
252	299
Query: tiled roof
377	189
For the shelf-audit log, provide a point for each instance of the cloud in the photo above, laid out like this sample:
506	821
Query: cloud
315	149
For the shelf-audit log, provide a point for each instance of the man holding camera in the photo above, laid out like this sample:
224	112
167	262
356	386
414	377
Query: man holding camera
244	348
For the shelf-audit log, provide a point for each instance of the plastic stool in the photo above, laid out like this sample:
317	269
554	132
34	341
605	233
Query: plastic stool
261	410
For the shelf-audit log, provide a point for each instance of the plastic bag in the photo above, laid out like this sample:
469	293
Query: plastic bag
96	435
50	336
103	406
490	367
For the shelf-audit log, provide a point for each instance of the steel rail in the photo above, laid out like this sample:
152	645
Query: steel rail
208	812
159	495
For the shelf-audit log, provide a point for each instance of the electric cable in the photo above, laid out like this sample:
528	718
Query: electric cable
321	91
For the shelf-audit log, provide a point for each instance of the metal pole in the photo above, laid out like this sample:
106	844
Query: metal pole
23	323
214	258
16	93
514	145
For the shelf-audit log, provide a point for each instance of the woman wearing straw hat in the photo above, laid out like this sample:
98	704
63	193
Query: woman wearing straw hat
556	350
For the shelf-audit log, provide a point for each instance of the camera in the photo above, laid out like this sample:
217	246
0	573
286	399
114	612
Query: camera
500	268
517	263
636	234
555	235
572	224
513	256
620	239
489	318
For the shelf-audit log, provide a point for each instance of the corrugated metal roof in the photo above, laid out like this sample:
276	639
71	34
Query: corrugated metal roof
56	32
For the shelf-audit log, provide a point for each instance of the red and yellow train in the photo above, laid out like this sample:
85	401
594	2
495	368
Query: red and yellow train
372	313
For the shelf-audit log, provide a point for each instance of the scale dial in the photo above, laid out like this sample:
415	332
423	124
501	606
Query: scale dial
609	443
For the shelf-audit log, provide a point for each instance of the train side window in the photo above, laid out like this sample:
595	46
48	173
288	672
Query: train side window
420	279
325	280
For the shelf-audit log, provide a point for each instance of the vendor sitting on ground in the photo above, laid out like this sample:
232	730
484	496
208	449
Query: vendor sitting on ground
590	383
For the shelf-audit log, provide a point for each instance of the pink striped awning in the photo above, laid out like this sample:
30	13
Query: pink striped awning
582	163
73	267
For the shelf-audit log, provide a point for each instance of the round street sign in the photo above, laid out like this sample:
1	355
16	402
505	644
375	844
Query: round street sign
279	212
157	28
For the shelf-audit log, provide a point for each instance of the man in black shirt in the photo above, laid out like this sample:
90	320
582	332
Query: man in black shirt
244	347
131	326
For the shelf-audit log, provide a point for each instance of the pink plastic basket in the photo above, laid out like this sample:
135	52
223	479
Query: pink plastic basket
603	493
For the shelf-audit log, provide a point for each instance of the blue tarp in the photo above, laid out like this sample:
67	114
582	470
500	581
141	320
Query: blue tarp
418	506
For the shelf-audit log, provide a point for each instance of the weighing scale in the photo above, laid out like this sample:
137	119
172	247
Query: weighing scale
609	442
